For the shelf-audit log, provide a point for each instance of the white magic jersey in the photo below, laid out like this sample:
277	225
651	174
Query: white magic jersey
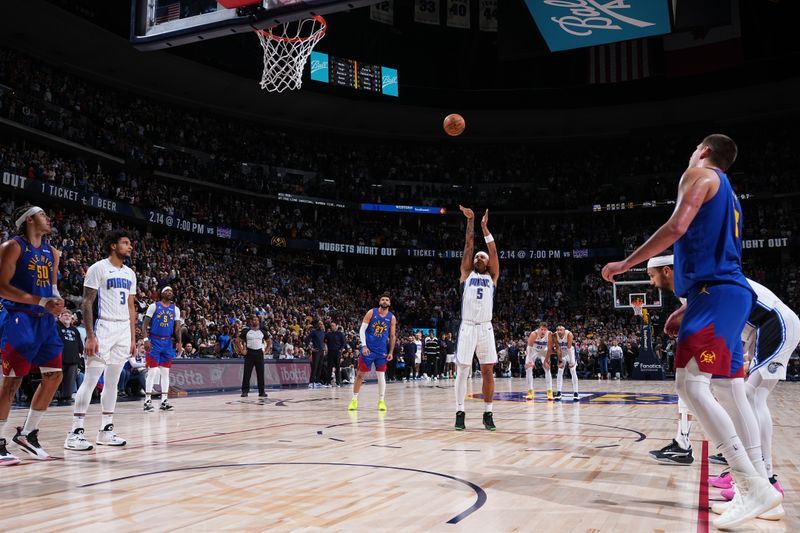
563	342
540	345
115	286
477	298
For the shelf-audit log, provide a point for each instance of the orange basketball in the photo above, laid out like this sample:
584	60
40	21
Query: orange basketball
454	124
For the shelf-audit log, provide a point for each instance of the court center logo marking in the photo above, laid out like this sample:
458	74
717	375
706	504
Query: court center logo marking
595	398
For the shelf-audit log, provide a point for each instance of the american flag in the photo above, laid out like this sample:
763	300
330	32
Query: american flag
624	61
167	13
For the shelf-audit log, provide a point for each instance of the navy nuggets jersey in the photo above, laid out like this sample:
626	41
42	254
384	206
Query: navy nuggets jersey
163	322
378	332
34	273
711	249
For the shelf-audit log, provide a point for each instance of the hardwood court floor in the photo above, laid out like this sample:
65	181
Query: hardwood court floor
300	461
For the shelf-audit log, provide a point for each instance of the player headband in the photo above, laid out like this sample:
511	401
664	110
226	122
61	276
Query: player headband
660	261
484	254
29	213
167	288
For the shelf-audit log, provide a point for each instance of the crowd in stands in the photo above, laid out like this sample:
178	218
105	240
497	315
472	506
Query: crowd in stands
291	221
219	283
156	135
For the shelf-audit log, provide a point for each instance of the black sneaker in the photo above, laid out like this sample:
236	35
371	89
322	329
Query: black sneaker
460	424
244	395
576	397
557	396
165	405
262	395
6	459
30	444
488	422
673	454
717	459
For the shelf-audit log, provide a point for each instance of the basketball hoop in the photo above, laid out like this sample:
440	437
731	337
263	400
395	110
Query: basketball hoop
637	307
286	50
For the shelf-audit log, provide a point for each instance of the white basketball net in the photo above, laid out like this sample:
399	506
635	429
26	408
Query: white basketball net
637	307
286	50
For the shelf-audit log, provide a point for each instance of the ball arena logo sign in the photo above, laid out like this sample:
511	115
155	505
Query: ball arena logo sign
596	398
567	24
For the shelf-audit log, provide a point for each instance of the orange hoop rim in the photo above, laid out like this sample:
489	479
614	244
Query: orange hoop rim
316	35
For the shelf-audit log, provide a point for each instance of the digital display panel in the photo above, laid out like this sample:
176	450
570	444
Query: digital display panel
353	74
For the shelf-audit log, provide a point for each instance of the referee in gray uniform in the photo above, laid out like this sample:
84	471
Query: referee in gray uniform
254	336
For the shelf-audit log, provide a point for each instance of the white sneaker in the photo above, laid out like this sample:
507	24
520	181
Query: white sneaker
76	441
6	459
720	507
754	497
107	437
30	444
776	513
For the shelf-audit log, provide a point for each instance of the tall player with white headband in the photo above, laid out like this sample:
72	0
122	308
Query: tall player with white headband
479	275
110	340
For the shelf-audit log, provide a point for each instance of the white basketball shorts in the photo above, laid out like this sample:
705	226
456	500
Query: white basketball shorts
774	366
531	359
477	339
568	357
114	340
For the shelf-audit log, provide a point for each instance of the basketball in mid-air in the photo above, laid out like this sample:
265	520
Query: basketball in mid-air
454	124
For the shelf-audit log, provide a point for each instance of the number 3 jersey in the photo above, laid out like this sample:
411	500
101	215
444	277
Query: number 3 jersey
115	286
477	298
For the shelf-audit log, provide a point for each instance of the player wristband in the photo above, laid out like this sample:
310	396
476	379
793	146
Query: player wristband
488	238
44	299
146	339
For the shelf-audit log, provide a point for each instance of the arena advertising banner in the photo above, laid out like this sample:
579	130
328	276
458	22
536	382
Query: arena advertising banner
207	375
567	24
382	251
67	195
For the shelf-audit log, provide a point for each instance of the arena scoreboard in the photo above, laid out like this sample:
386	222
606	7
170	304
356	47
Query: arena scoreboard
353	74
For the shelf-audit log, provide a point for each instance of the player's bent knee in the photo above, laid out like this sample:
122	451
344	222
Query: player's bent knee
52	375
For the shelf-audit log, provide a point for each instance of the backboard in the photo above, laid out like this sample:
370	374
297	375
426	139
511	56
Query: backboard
626	292
157	24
